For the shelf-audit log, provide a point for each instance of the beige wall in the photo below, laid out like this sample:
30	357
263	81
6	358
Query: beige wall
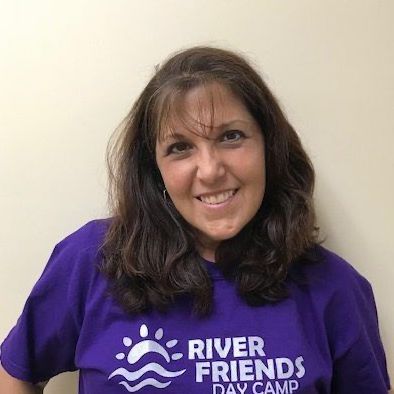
71	69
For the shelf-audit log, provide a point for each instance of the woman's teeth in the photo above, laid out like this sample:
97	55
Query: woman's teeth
217	198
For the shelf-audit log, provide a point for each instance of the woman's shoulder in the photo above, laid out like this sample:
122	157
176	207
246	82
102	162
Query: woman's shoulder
328	274
338	296
69	280
87	237
78	254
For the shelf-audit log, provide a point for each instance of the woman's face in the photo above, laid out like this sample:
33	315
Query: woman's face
213	168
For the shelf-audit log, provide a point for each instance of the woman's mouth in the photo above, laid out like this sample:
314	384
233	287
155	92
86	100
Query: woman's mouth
217	198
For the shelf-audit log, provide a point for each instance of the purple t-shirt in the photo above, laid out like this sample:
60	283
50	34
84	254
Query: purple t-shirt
324	338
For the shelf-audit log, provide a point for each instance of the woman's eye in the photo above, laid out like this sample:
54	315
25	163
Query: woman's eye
233	136
178	148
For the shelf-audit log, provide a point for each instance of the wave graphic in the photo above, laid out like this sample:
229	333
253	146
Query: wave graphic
146	382
144	347
132	376
137	379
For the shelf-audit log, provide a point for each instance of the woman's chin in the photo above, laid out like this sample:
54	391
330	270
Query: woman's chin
213	238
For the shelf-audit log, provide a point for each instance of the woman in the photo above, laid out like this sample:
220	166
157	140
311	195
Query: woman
209	277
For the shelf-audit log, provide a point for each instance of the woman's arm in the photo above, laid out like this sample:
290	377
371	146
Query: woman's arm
10	385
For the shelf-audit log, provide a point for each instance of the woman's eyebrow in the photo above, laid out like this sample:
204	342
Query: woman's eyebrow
172	137
234	122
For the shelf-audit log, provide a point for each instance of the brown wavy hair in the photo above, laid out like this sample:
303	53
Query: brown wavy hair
149	250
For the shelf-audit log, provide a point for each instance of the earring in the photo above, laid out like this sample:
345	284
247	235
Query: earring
165	194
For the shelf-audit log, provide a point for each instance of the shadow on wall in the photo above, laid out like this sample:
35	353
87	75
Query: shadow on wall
65	383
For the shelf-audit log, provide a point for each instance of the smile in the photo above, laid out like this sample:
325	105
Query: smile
218	198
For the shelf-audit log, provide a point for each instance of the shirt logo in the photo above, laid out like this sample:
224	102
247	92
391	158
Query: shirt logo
225	365
134	379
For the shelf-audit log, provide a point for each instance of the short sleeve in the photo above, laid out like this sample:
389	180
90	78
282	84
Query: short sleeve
359	363
42	344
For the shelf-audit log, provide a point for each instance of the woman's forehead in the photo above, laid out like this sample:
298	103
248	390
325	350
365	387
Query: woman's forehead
200	110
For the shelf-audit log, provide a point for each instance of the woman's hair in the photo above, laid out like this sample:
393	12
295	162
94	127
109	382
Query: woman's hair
149	253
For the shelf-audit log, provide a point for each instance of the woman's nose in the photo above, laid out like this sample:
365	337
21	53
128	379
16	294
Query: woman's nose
210	166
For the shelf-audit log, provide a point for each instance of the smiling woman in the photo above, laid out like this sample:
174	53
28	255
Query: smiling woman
213	245
175	143
214	172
